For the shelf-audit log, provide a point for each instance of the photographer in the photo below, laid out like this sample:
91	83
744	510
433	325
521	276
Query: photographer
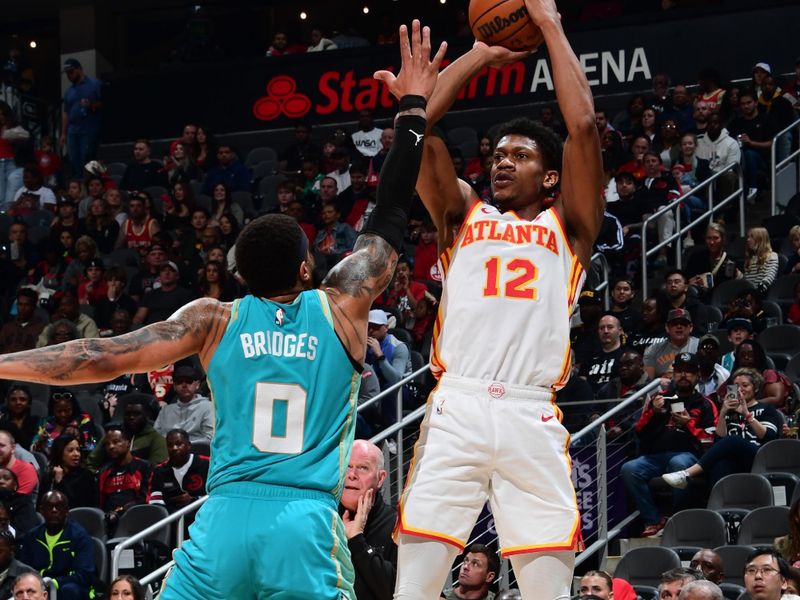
745	424
671	431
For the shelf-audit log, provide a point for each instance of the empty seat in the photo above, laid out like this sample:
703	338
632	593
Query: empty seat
100	560
644	566
725	292
245	200
782	291
731	591
714	314
740	491
779	462
116	168
259	155
140	517
204	202
780	342
761	526
93	520
773	310
792	369
156	191
733	560
689	530
122	257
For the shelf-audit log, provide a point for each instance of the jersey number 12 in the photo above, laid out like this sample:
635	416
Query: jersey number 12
517	286
279	418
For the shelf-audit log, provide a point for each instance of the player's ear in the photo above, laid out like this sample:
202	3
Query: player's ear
550	179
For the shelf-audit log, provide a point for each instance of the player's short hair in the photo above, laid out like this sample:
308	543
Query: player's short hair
491	556
269	252
549	144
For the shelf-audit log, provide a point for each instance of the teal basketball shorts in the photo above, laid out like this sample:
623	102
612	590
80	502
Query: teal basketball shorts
254	541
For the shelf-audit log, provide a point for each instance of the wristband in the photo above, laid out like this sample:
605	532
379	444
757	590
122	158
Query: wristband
411	101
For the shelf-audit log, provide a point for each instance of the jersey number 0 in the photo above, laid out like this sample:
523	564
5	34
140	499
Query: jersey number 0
279	418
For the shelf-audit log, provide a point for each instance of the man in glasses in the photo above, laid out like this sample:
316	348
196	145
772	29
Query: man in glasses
765	575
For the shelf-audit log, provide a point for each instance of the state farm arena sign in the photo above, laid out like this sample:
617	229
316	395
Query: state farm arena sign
331	87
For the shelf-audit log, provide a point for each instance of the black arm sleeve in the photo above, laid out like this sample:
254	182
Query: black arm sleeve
389	218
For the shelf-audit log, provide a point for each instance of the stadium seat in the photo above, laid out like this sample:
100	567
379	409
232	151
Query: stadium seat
245	200
792	369
773	310
733	560
735	495
731	591
100	560
262	169
204	202
196	186
644	565
259	155
267	190
156	191
401	334
762	525
116	168
714	315
780	343
782	291
122	257
690	530
138	518
778	456
725	292
92	519
725	345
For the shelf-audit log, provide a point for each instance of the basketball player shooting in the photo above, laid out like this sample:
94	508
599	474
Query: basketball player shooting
512	272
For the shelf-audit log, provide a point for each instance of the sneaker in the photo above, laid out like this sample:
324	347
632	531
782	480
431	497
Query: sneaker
678	479
655	529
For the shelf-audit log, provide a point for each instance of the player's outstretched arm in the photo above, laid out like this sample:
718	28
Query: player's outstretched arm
354	283
92	360
582	172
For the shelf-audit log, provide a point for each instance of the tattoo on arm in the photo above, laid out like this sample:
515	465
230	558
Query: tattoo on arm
367	271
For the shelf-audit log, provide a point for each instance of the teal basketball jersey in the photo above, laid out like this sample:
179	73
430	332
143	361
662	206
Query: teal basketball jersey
284	393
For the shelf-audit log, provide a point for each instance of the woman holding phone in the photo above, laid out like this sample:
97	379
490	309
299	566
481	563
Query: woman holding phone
744	425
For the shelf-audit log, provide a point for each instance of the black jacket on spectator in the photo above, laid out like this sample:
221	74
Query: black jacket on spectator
23	436
79	486
656	434
374	554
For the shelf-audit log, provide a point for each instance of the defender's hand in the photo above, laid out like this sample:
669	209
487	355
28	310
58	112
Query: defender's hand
497	56
418	73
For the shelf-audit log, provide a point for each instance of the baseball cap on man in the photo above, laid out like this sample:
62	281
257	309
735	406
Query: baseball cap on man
171	265
708	338
686	359
739	323
185	372
378	317
70	64
590	297
763	66
679	314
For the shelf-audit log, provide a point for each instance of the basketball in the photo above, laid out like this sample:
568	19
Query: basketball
504	23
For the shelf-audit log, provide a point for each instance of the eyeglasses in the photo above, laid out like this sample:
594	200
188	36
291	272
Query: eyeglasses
62	396
766	571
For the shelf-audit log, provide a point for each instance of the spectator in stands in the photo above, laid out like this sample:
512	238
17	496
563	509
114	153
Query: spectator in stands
647	126
61	331
114	298
388	356
424	318
25	328
718	148
709	266
101	226
760	72
33	194
793	316
180	165
192	412
340	174
85	251
280	45
695	169
116	211
64	413
319	42
765	574
658	358
143	172
139	227
747	305
24	472
404	293
10	133
761	263
603	365
80	118
126	587
60	549
701	590
622	295
745	424
673	581
629	120
596	583
17	418
426	253
221	203
711	90
668	141
739	329
678	295
229	171
291	160
214	282
584	339
335	238
205	149
368	137
779	111
181	479
66	219
123	481
160	303
480	568
94	189
709	563
354	200
229	230
297	211
69	309
670	439
66	474
754	132
368	522
179	207
712	374
146	280
19	516
789	545
547	117
681	108
22	254
386	139
640	145
94	288
777	387
10	567
30	586
793	262
147	444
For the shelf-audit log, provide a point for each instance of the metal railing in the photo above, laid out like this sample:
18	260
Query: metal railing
778	167
677	237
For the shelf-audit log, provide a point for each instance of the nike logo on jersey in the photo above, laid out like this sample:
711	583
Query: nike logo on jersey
419	136
546	418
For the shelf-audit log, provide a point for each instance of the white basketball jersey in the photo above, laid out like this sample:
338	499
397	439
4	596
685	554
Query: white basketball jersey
510	286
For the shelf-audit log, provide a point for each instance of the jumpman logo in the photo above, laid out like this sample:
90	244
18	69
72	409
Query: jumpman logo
419	136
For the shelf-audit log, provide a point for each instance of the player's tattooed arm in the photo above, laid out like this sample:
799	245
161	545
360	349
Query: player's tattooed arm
190	330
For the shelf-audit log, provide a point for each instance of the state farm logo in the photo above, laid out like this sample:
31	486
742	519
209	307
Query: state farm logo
496	390
281	99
